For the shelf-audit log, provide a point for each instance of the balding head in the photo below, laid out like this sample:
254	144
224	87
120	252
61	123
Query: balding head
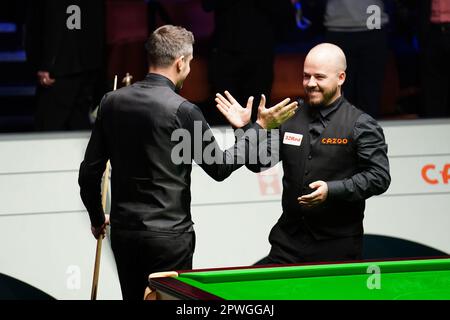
328	55
324	73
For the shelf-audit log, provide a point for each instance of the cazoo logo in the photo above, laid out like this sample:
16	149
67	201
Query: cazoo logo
433	175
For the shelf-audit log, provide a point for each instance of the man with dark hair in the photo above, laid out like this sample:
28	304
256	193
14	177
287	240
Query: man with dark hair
151	225
334	157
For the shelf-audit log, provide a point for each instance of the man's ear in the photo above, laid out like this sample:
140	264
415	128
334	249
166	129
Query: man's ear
341	78
180	63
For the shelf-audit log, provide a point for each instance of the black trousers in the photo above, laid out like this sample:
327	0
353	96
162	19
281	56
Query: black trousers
436	73
66	104
366	54
140	253
302	246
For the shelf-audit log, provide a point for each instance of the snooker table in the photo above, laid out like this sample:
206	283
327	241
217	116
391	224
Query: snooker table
422	279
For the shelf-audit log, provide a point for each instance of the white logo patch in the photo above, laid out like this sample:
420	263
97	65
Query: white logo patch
293	139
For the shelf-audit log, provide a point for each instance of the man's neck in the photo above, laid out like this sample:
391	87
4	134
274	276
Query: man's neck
332	101
164	72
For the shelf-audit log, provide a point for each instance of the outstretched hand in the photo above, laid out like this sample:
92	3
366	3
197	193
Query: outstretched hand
273	117
236	115
267	118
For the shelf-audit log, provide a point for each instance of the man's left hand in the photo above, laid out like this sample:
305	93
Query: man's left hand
315	198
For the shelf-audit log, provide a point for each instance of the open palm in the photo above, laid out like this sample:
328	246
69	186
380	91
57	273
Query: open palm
267	118
236	115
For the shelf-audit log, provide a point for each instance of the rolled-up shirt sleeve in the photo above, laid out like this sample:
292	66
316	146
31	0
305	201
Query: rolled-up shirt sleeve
373	176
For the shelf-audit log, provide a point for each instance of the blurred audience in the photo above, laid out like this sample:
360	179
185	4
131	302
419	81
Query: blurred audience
434	41
361	33
156	11
70	64
65	47
244	40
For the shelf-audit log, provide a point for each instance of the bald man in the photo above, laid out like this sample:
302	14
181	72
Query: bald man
334	157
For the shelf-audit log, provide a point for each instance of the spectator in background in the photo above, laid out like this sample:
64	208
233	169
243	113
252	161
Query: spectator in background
346	24
366	50
68	61
243	45
434	41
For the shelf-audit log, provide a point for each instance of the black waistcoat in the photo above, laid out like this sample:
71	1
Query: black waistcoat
149	191
332	157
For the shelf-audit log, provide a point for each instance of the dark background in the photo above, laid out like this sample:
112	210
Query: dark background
128	23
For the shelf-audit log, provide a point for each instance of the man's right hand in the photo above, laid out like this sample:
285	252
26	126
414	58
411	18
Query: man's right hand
100	231
273	117
44	79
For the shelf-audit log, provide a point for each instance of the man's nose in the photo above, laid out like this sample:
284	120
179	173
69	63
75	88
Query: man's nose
311	83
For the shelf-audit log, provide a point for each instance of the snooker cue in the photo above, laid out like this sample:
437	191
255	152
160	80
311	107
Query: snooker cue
98	251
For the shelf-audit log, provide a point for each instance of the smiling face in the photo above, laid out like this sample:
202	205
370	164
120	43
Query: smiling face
323	74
